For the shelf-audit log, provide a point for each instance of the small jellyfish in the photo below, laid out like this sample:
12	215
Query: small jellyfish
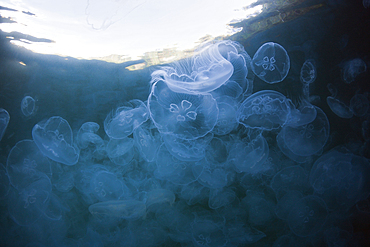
55	140
87	135
28	106
265	110
359	105
185	116
366	3
307	216
105	186
307	139
124	120
308	72
339	108
4	120
123	209
271	63
121	151
352	69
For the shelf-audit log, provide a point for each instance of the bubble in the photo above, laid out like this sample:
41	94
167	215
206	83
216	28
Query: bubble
54	139
28	106
271	63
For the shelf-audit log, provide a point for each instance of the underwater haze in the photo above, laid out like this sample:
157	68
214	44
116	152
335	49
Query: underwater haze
259	136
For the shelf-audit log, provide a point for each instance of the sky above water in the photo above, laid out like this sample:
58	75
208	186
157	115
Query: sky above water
98	28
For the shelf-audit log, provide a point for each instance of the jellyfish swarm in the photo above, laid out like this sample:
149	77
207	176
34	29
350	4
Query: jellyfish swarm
54	139
4	120
28	106
271	63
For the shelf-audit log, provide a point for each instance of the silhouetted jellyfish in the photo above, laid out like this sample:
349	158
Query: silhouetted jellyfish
122	209
54	139
26	163
4	120
308	72
187	150
307	139
271	63
352	69
121	151
172	169
29	204
185	116
249	154
359	105
307	216
265	110
339	108
122	122
341	178
4	182
28	106
202	73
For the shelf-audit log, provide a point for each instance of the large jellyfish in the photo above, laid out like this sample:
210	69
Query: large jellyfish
54	139
271	63
185	116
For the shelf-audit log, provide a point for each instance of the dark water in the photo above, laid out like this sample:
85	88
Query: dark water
242	212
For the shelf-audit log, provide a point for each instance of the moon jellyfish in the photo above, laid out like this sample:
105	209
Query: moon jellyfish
265	110
271	63
122	209
29	204
54	139
124	120
339	108
341	178
185	116
307	216
352	69
248	155
221	198
28	106
226	121
147	141
308	72
203	73
286	202
366	3
121	151
4	182
359	105
105	186
4	120
26	164
307	139
87	135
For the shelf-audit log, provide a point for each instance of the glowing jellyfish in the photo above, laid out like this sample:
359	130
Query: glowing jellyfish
87	135
359	105
4	120
124	120
339	108
26	164
352	69
185	116
203	73
308	72
265	110
28	106
307	216
307	139
54	139
271	63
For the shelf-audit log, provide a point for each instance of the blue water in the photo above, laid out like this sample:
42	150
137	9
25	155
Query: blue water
258	140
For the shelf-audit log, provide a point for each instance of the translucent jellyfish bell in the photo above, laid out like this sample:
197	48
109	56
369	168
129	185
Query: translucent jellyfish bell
185	116
203	73
308	72
352	69
339	108
28	106
54	139
265	110
271	63
359	105
4	120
